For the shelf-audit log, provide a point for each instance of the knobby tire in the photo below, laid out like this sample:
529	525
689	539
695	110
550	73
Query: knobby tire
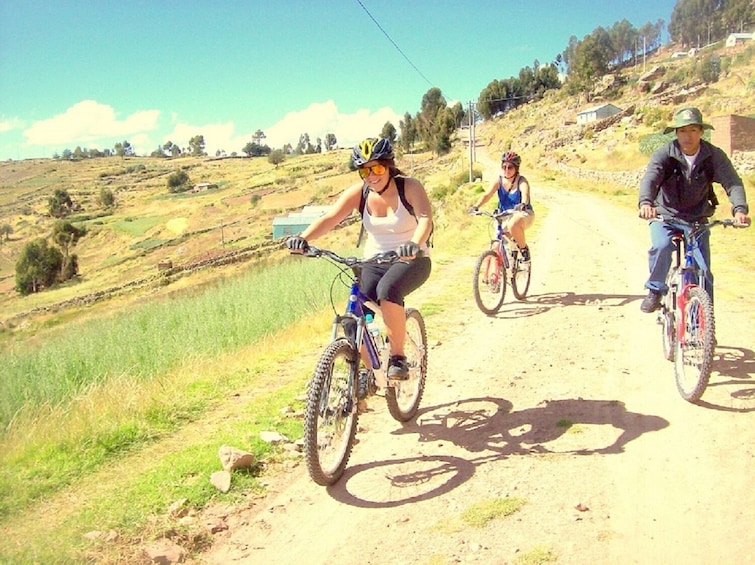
694	351
520	279
489	283
330	416
403	397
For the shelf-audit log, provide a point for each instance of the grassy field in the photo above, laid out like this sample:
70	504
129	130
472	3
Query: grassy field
114	410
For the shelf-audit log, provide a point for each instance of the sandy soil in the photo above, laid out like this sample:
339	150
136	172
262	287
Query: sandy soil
564	401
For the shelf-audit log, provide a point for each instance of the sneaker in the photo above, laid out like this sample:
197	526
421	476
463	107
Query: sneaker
525	254
397	368
651	302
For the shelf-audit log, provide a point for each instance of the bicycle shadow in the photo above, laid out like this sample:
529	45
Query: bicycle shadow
732	367
489	431
532	429
535	304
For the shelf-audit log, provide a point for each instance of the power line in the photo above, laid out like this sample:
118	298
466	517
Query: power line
394	43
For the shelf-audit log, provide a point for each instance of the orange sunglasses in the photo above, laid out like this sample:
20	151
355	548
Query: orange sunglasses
376	169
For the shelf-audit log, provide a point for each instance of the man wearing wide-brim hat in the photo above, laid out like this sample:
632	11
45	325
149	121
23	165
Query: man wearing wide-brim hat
678	183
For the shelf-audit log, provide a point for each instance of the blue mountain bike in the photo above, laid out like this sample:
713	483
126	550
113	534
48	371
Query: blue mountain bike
341	379
686	314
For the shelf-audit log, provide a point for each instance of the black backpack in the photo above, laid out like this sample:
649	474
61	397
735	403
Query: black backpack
404	201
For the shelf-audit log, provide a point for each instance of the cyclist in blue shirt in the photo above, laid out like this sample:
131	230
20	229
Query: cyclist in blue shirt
513	194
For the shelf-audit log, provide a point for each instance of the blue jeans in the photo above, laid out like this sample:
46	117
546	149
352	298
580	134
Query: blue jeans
660	256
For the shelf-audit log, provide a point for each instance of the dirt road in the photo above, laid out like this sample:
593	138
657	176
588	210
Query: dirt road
563	401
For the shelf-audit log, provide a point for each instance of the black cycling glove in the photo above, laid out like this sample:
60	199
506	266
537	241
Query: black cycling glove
408	249
297	243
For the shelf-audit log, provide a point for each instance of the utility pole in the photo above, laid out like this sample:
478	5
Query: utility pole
471	139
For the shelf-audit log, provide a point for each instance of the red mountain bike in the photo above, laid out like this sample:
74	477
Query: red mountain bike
686	314
498	266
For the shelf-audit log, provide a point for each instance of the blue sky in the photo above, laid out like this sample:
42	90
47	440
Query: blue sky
91	74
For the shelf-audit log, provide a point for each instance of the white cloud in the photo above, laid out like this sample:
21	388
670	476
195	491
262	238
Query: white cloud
89	122
216	137
321	118
10	124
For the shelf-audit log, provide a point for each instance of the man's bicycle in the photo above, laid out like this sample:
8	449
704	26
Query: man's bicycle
338	383
499	265
686	314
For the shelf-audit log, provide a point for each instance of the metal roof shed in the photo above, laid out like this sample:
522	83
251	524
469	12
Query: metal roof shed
296	222
597	113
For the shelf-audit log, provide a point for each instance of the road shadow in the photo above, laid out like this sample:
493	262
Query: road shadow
474	426
488	430
540	303
733	377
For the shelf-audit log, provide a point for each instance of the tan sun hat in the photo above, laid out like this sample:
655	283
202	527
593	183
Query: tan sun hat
687	117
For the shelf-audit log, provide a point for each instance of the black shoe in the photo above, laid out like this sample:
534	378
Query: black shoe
651	302
397	368
525	255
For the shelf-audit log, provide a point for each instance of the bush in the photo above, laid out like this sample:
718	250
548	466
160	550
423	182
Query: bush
178	181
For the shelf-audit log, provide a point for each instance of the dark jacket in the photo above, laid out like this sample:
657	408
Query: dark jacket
668	186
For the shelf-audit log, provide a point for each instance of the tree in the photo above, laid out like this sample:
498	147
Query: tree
196	144
389	131
408	132
178	181
107	198
123	149
252	149
38	267
330	141
6	230
66	235
432	103
276	157
258	136
60	204
305	145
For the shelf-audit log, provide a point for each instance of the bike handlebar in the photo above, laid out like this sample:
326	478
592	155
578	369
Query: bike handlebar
386	257
497	215
726	222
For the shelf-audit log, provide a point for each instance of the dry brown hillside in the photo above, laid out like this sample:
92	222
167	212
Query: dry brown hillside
149	226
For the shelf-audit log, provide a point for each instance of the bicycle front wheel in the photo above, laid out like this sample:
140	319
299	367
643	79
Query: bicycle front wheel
520	278
403	397
489	283
330	416
694	345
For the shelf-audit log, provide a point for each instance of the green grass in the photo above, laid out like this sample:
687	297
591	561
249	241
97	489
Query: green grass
137	227
112	359
478	515
536	556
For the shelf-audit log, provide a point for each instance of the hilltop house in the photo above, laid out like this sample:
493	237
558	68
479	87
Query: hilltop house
597	113
735	39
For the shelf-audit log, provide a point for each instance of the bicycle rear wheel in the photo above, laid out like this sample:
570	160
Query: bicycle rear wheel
520	278
330	416
403	397
489	283
694	348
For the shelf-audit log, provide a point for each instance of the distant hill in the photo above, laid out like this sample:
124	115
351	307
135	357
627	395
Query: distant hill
230	224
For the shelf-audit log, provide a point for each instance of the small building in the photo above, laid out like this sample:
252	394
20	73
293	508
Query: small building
202	186
733	133
735	39
597	113
296	222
